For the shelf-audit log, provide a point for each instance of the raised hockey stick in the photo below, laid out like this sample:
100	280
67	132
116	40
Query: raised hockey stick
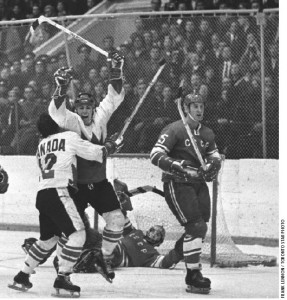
189	133
129	120
42	19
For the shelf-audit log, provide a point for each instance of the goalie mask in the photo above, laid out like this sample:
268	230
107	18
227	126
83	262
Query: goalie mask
155	235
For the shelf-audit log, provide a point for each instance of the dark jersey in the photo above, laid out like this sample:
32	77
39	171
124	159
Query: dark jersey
174	141
140	253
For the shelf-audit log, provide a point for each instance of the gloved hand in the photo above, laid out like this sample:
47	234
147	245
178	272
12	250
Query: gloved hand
113	144
3	181
184	169
212	168
117	61
63	76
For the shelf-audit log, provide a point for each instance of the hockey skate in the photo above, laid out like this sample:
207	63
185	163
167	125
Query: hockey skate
65	288
196	283
21	282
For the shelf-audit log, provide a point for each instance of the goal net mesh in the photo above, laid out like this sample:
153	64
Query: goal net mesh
150	209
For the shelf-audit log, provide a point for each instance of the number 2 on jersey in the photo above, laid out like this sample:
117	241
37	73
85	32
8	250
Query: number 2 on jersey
46	165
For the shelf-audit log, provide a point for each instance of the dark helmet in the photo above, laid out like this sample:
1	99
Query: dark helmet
193	98
46	125
84	99
157	230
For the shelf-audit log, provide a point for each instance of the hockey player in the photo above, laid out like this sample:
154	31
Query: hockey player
56	155
135	249
90	122
186	191
4	178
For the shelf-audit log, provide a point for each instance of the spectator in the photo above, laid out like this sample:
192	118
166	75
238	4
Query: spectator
108	45
99	91
61	9
205	33
235	41
52	65
136	60
41	74
62	59
272	65
163	111
104	76
193	66
16	76
155	5
3	94
10	119
27	136
28	67
251	54
139	28
152	64
225	65
189	34
86	63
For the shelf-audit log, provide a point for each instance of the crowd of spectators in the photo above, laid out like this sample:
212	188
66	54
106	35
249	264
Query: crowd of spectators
218	57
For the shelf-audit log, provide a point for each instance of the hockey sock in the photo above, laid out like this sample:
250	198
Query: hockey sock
71	251
110	240
191	251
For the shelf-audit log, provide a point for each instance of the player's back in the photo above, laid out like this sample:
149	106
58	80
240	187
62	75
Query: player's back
57	160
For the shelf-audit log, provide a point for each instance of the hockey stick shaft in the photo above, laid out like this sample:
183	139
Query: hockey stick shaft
189	133
129	120
144	189
74	35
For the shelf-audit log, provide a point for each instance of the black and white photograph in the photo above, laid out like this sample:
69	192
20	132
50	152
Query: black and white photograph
139	149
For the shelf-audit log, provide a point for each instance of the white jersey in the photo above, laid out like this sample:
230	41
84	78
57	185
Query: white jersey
72	121
56	156
88	172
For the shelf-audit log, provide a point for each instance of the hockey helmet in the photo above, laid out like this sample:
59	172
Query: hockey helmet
155	235
193	98
84	99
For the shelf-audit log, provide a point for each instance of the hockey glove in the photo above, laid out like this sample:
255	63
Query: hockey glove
3	181
117	61
113	144
212	168
183	169
63	76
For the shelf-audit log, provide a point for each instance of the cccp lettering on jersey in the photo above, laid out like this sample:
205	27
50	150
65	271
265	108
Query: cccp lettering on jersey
202	144
52	146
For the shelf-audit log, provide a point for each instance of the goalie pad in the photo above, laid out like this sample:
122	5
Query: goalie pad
212	168
121	189
3	181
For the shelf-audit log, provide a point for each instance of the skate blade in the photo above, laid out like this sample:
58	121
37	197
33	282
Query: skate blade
14	286
195	290
71	294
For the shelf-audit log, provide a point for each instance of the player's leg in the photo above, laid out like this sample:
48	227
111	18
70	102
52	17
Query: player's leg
40	249
183	202
106	203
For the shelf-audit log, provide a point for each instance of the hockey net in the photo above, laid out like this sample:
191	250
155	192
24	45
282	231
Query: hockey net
150	209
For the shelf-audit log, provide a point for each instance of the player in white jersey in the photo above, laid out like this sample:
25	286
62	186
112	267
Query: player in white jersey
58	214
90	123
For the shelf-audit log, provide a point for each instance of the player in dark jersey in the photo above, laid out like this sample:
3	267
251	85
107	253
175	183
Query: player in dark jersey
135	249
184	183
